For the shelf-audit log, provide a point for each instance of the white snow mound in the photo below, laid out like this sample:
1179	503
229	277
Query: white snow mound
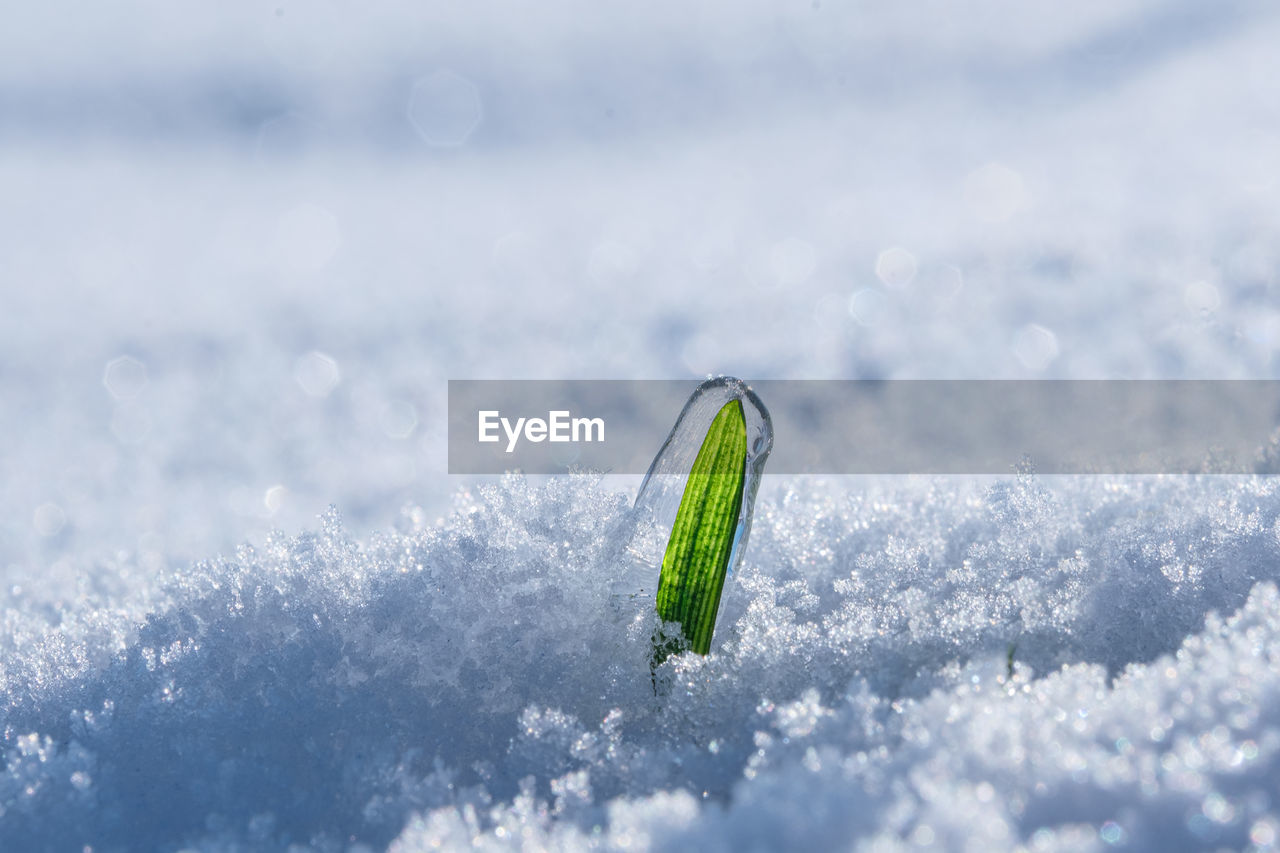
1025	662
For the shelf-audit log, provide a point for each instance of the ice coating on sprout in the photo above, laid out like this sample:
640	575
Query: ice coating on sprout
658	500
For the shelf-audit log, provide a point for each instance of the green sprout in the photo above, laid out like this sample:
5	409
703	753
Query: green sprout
702	538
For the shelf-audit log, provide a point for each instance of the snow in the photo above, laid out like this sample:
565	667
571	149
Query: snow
245	246
1021	663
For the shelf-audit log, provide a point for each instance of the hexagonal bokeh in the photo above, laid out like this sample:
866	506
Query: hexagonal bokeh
125	377
445	108
317	374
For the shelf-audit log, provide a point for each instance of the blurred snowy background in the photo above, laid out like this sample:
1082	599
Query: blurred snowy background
243	246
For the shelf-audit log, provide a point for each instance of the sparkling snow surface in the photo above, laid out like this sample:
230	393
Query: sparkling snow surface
243	246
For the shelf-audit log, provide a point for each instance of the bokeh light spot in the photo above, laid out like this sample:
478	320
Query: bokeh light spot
1202	297
445	109
48	519
896	267
867	306
1111	832
399	420
317	374
125	377
1035	346
274	497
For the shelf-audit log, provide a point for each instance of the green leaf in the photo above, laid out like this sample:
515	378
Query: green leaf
697	556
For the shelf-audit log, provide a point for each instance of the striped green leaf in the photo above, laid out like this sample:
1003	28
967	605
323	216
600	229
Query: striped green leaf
697	556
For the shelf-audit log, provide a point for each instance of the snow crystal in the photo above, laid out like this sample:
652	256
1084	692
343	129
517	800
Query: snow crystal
1040	663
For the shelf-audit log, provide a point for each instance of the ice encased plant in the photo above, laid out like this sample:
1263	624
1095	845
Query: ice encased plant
701	487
